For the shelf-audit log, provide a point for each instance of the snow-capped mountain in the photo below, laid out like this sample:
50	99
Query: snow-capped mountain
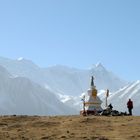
67	83
119	99
62	79
105	79
19	95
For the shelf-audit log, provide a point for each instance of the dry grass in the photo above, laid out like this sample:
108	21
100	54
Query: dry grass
69	127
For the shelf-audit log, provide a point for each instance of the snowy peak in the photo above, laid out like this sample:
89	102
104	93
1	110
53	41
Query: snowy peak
24	61
20	59
8	63
100	67
105	79
99	64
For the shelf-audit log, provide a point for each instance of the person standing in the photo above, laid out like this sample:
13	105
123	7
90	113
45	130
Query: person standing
110	107
130	106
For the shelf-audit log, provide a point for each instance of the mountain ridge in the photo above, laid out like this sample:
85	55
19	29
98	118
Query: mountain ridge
21	96
58	76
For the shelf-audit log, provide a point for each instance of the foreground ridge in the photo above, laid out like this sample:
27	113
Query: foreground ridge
69	127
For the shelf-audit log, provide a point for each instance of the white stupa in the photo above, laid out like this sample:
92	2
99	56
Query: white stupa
92	103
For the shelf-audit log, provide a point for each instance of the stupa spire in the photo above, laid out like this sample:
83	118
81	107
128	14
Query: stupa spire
92	81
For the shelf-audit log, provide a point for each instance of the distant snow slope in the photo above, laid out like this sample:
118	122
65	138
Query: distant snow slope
62	79
119	99
21	96
67	83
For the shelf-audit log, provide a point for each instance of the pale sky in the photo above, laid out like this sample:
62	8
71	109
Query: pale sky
76	33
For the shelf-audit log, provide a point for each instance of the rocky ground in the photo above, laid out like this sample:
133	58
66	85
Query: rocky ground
69	128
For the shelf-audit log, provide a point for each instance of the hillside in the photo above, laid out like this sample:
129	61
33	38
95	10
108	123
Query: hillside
120	97
69	127
21	96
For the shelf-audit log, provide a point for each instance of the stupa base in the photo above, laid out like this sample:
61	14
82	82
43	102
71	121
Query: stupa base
89	112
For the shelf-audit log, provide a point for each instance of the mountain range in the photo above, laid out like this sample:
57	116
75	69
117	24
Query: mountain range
64	85
63	79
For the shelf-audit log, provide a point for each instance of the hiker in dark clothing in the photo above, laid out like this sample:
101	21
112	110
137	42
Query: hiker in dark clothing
110	106
130	106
